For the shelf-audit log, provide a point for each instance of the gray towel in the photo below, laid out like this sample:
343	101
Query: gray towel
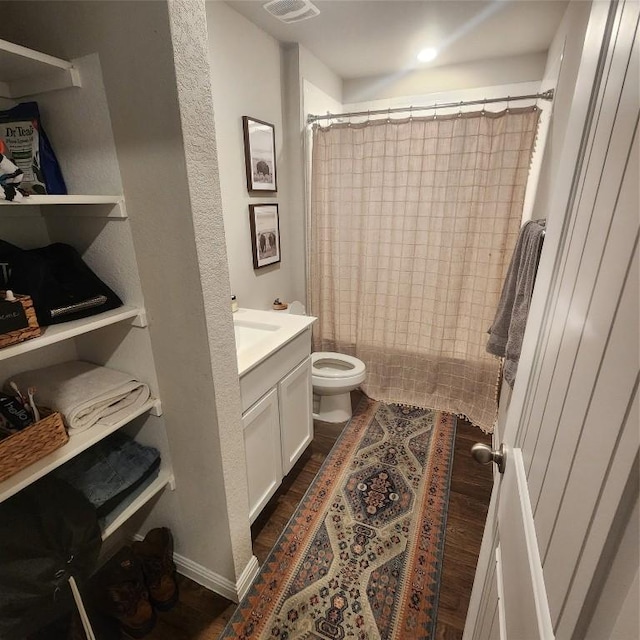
507	330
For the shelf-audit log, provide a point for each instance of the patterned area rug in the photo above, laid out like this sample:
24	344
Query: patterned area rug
362	555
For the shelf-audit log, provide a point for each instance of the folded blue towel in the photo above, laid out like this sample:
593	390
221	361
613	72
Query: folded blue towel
107	472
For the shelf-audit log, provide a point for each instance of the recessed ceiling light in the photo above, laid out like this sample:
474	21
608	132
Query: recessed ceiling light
427	55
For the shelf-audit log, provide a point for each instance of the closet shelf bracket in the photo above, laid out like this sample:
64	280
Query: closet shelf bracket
156	409
141	319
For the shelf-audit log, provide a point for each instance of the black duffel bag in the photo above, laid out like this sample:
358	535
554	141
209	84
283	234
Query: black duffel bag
58	281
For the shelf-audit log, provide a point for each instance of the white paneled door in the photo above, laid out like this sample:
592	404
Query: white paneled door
571	436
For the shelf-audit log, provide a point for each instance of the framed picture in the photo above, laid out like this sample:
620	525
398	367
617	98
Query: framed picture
265	234
259	155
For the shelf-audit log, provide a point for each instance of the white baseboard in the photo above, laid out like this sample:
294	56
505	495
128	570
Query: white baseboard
214	581
247	577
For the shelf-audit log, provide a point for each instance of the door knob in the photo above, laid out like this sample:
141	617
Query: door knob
484	454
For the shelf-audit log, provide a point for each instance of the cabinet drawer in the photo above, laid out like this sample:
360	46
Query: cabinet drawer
267	374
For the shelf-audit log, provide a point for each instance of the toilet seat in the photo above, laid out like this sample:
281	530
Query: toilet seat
336	366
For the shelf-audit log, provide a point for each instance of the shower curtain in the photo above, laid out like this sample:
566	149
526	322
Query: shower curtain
413	223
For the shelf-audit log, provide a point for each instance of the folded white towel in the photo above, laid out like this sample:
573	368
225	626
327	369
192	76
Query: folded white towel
85	393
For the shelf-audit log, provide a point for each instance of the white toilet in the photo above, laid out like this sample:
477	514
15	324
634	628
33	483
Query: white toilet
334	376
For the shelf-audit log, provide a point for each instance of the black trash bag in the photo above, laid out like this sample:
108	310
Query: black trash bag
48	532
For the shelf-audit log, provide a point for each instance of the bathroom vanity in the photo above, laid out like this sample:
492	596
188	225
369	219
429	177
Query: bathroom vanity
274	365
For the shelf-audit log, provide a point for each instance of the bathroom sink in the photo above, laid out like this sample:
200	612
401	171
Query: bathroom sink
249	334
259	334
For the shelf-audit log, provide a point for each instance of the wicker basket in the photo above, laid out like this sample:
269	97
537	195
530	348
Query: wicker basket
29	445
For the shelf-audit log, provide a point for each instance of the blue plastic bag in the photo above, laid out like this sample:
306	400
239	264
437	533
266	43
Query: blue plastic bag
29	148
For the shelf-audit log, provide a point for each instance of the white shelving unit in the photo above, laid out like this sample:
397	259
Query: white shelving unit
97	226
77	444
67	330
144	493
68	200
24	72
70	205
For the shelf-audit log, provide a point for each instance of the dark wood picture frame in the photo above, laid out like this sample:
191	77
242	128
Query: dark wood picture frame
265	234
260	153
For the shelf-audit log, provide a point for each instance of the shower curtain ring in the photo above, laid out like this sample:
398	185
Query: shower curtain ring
410	112
435	110
484	105
460	109
388	114
508	99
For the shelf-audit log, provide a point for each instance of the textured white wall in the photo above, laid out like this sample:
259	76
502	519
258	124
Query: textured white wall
561	71
302	72
426	99
246	80
316	72
191	51
292	109
318	102
481	73
184	279
561	75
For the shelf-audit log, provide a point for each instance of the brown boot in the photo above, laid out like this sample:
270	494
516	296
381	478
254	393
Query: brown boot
122	593
155	553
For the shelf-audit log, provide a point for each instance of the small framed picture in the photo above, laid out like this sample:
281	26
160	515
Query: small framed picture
260	155
265	234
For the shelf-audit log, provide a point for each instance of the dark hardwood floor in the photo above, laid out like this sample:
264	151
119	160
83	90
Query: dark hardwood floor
471	485
202	615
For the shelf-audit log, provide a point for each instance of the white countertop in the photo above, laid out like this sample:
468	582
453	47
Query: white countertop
261	333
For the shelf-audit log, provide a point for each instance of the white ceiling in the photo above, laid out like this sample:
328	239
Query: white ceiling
357	38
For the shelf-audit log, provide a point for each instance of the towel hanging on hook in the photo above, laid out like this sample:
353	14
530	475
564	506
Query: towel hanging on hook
507	330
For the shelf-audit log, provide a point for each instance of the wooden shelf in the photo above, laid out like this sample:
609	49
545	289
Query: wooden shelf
70	205
144	494
65	331
25	72
77	443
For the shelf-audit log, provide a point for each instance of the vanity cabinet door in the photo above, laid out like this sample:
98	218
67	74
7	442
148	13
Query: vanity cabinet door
296	420
261	426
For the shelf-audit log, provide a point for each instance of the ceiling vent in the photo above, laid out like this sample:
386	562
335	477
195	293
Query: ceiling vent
289	11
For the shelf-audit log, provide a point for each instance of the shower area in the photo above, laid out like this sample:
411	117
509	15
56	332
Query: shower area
413	216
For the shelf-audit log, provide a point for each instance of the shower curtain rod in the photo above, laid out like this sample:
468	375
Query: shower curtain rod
545	95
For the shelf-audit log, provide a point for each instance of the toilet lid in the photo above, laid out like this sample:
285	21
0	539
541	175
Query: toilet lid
328	364
297	308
